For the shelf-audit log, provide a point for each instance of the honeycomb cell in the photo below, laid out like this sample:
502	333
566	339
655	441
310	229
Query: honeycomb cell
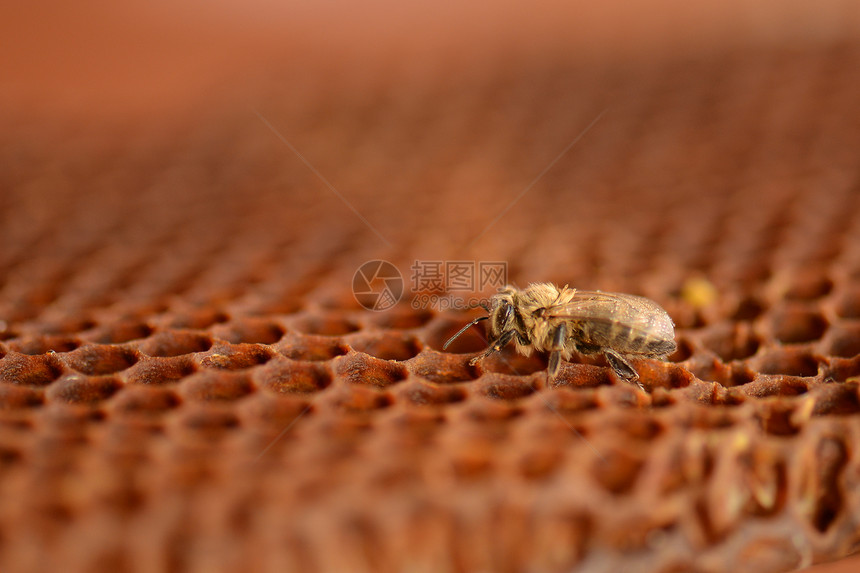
777	418
324	324
731	341
211	421
438	333
683	350
365	370
429	394
216	386
764	386
835	399
35	345
16	397
357	398
616	471
747	309
386	345
509	361
842	340
79	389
441	368
96	360
157	371
292	377
235	356
119	332
808	285
175	343
787	361
503	387
793	324
265	410
250	331
196	319
144	400
848	303
313	348
18	368
402	319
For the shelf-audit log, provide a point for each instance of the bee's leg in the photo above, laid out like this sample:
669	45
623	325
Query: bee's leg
621	367
495	346
558	339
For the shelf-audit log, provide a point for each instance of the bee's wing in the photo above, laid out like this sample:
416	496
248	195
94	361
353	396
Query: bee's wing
596	306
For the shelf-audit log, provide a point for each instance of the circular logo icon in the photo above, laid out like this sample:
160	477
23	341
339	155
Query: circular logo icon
377	285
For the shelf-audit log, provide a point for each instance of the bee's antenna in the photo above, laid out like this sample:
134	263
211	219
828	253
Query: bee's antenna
464	329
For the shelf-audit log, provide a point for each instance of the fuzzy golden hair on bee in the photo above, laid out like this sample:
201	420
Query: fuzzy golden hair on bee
562	320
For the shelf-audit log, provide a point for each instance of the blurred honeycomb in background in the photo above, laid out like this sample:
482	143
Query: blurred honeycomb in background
189	384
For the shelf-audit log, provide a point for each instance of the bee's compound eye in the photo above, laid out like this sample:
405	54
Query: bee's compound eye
504	315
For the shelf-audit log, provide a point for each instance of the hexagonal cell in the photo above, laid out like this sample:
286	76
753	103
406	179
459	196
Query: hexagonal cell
157	371
764	386
79	389
144	400
581	376
311	347
196	319
787	361
442	368
250	331
437	334
842	340
235	356
119	332
175	343
324	324
731	341
501	387
34	345
428	394
683	350
402	319
747	309
794	324
97	359
836	399
206	418
358	398
285	376
565	401
362	369
509	361
15	397
217	386
386	345
540	462
616	471
272	411
18	368
809	284
848	303
775	418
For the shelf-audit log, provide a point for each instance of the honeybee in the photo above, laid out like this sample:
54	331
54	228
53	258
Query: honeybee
561	321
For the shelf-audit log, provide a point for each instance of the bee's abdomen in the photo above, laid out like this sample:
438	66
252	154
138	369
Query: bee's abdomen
626	340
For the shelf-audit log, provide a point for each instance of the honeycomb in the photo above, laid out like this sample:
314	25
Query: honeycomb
188	383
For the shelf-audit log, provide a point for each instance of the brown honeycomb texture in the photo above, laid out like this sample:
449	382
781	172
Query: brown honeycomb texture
188	383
